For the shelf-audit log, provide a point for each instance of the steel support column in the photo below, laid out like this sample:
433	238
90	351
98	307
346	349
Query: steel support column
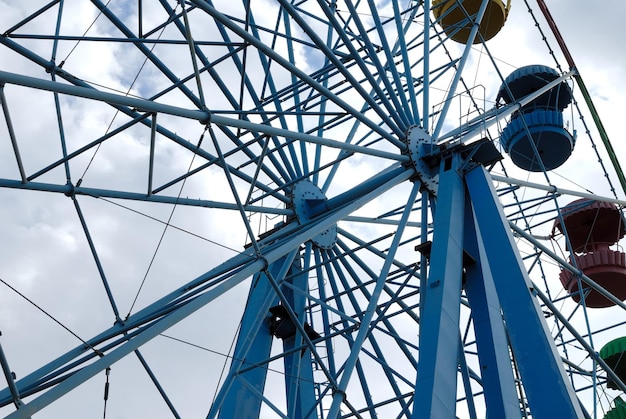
492	345
253	347
549	392
435	392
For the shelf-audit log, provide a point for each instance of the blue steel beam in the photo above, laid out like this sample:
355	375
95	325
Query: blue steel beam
295	163
304	160
335	274
557	190
404	109
457	77
339	65
7	118
254	342
30	17
134	196
216	275
130	110
233	48
403	346
147	52
96	258
390	113
8	374
86	147
402	46
435	389
271	253
549	392
491	341
115	40
388	96
299	382
156	383
289	166
426	70
368	316
268	52
203	117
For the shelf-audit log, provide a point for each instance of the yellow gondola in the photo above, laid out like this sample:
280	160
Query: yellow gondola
452	15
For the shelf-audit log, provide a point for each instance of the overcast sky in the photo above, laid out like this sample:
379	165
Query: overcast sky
43	252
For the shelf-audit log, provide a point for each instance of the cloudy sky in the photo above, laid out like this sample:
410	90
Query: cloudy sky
44	255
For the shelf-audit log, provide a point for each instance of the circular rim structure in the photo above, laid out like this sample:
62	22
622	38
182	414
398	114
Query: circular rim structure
280	209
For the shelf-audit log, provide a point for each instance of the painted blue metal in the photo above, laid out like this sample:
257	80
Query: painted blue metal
491	340
368	316
299	380
435	389
277	133
284	172
253	346
549	392
413	109
248	266
201	116
467	385
425	123
105	193
361	288
371	274
460	65
153	126
333	58
157	384
391	102
94	143
11	132
96	258
194	59
147	52
8	375
290	164
235	192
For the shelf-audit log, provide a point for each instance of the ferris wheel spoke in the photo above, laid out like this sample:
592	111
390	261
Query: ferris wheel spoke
146	52
290	164
353	82
111	98
584	342
459	71
96	259
11	132
156	383
403	48
193	303
369	246
106	193
371	308
306	129
389	95
294	70
232	54
344	272
377	356
233	49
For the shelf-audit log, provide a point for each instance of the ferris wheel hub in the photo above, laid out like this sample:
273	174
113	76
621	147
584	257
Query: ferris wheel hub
306	198
421	145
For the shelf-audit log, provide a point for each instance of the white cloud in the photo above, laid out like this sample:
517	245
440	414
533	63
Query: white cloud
43	250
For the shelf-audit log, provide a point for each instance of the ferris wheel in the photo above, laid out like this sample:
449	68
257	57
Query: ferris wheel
303	209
